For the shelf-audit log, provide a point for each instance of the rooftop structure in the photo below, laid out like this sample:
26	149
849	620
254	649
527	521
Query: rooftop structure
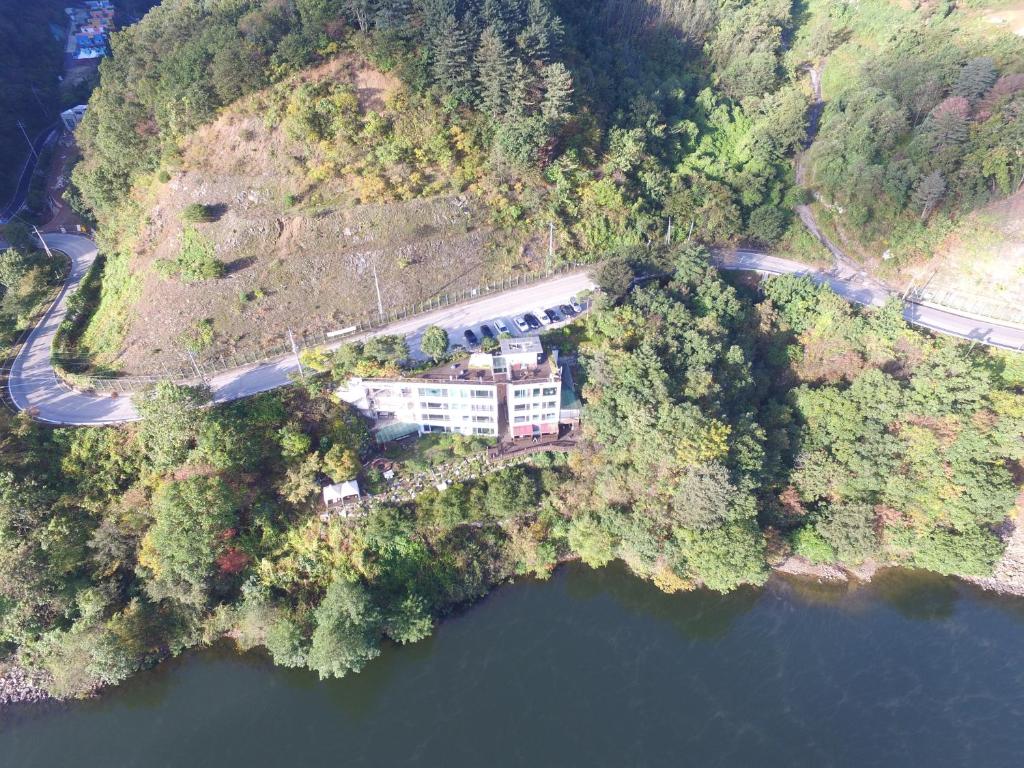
515	393
72	117
339	493
91	25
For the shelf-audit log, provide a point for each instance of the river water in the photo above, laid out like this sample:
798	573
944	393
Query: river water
595	668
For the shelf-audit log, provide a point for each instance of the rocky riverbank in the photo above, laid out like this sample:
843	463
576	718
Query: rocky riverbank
17	686
1008	578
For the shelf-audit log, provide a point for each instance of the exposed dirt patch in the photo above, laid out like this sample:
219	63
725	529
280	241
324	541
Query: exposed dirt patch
299	251
1011	18
981	263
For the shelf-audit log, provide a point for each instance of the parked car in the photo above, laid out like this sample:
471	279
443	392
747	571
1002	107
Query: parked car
551	315
502	328
522	325
531	321
471	338
486	331
542	316
566	310
575	303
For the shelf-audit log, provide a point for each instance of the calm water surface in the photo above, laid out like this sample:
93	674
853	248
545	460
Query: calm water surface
595	668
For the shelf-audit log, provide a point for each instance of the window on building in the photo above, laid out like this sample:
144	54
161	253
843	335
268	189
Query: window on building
483	408
549	391
435	417
549	417
482	431
483	420
519	392
521	407
434	406
551	404
433	392
521	419
482	393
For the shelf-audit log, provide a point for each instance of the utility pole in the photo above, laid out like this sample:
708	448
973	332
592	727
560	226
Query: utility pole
551	246
27	139
295	351
48	251
691	230
668	234
376	284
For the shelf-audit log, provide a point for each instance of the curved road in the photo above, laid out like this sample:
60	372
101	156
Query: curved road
34	387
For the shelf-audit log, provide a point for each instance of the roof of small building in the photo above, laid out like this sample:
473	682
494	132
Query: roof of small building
522	346
341	491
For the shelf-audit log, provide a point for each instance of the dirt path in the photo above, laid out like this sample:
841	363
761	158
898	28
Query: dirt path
843	263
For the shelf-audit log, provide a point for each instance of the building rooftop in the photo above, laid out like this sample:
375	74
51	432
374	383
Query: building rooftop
524	346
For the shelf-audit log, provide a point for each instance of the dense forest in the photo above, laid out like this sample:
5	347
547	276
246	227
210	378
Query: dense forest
727	423
725	427
923	118
31	59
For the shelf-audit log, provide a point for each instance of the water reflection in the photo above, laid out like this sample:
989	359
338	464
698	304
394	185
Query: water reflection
917	595
697	615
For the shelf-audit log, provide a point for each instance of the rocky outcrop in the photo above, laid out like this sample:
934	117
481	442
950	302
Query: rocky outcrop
18	686
1008	577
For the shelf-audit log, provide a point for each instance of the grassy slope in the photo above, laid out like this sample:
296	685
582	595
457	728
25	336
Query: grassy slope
298	230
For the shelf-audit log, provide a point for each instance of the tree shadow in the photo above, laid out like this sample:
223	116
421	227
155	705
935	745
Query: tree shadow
216	211
233	267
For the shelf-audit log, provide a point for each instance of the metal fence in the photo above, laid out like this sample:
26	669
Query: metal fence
986	307
202	367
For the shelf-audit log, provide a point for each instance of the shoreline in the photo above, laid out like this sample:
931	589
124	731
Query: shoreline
18	686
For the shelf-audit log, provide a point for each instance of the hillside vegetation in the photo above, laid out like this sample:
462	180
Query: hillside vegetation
922	120
724	431
606	120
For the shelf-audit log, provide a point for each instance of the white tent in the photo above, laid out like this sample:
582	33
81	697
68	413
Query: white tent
341	492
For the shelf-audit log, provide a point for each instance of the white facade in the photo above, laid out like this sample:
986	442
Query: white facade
466	407
517	391
533	407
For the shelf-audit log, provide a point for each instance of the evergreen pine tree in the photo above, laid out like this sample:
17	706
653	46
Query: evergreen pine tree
494	17
929	192
977	76
542	33
557	92
493	71
450	61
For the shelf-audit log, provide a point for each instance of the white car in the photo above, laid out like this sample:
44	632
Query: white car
500	325
575	304
540	315
521	324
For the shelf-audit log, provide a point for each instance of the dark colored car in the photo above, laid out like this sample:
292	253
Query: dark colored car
485	329
531	321
566	310
471	338
552	315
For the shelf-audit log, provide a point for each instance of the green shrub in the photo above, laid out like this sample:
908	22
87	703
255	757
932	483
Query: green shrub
196	261
200	337
808	543
196	212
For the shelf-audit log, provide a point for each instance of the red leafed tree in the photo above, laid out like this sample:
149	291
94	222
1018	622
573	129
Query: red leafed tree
232	560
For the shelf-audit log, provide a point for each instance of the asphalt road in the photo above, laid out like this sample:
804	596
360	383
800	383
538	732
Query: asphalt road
34	386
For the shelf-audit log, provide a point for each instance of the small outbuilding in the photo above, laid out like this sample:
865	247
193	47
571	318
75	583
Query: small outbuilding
340	493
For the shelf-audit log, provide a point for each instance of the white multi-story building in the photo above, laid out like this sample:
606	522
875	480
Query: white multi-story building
515	392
